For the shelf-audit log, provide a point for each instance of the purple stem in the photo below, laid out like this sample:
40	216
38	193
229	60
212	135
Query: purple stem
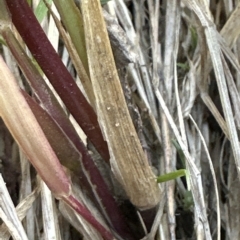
51	64
83	211
104	197
96	185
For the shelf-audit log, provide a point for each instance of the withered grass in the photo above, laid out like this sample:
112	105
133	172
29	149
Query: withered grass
170	74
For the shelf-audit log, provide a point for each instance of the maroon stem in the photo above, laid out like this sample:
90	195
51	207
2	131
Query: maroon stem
51	64
83	211
96	184
104	197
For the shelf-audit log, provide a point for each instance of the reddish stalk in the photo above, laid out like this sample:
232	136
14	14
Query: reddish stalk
21	122
102	195
74	203
42	50
96	185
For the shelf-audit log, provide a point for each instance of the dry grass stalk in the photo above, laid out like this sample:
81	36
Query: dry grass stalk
128	161
9	215
158	74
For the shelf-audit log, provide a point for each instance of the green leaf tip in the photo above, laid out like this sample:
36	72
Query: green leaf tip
171	176
104	1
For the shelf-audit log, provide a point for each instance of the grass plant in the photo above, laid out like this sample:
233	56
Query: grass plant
119	119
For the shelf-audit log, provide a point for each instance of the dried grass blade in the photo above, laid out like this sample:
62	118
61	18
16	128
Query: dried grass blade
143	83
25	190
213	109
22	209
216	56
171	34
80	224
233	91
195	177
10	225
128	161
49	213
9	215
231	29
213	176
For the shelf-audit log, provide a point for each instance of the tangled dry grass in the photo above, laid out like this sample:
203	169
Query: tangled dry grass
178	63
